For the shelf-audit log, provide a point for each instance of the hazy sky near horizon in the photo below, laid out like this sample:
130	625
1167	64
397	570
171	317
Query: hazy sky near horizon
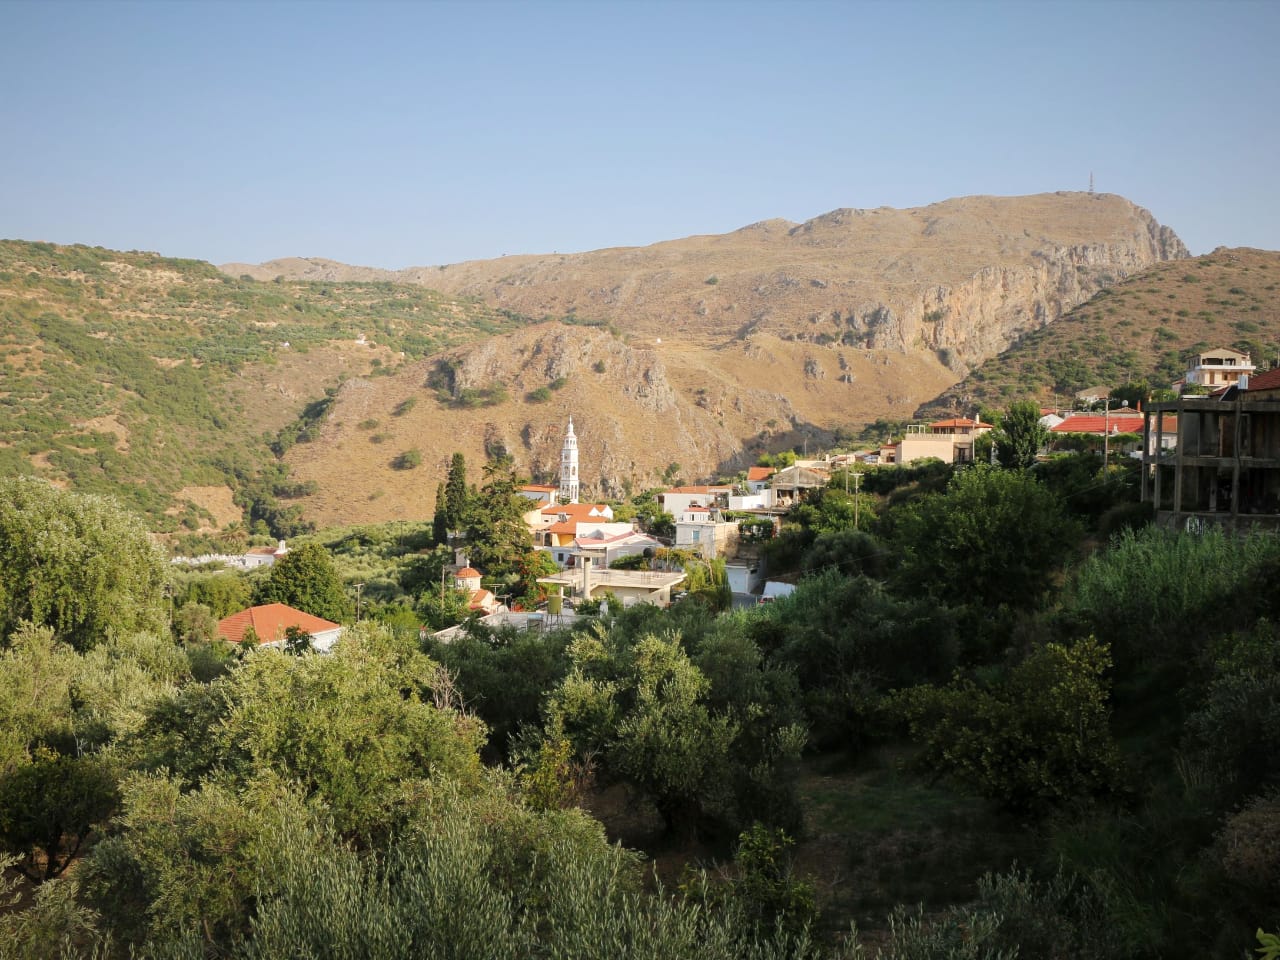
400	134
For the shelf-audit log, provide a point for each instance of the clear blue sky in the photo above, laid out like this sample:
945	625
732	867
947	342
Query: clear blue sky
401	134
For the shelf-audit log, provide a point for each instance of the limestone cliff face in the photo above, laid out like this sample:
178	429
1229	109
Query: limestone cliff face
960	279
980	317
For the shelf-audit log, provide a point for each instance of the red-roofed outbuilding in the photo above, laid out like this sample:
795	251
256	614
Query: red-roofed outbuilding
269	622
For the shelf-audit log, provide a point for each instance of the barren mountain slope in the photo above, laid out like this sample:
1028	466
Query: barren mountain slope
636	407
961	278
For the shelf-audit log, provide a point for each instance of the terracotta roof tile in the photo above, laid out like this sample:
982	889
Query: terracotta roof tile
1128	422
1265	381
269	622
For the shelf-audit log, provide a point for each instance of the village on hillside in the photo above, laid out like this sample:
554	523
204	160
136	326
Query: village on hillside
1209	453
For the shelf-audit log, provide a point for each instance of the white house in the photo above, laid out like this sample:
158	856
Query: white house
1218	368
263	556
589	583
676	500
542	494
703	529
603	548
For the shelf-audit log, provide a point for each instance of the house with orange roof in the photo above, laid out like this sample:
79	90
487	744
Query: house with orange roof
268	623
478	598
1114	423
540	518
556	527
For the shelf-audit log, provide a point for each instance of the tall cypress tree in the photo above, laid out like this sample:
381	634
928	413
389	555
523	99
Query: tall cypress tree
455	493
440	519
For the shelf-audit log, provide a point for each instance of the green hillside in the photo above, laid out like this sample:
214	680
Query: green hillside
141	376
1140	329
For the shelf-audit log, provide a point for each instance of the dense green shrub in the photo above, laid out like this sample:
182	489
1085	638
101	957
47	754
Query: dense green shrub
1036	740
1157	597
77	563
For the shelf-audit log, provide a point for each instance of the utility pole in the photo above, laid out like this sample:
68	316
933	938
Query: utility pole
1106	435
359	590
857	485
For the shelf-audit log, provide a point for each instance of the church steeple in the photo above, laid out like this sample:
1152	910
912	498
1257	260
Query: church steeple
569	467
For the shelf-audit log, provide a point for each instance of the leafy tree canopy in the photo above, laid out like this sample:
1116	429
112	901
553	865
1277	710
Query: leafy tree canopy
305	578
76	563
993	538
1037	740
1019	436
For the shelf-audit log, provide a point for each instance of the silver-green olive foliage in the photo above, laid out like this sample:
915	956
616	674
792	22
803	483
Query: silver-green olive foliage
76	563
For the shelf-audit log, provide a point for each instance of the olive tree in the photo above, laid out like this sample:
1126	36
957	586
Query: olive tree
79	564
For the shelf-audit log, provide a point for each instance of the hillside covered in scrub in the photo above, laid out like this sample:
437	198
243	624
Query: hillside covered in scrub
1139	329
172	386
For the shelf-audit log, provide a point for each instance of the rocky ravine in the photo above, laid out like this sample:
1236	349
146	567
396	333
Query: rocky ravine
637	407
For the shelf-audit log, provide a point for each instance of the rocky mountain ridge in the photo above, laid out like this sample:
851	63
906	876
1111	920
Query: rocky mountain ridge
961	279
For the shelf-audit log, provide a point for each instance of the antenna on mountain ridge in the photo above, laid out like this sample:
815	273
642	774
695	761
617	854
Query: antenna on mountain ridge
1090	181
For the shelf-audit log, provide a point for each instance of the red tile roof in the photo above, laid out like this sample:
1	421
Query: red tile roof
702	489
269	622
1265	381
539	487
1127	422
957	423
479	600
760	473
467	573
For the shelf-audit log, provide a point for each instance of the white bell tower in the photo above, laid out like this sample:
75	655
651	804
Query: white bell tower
569	467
